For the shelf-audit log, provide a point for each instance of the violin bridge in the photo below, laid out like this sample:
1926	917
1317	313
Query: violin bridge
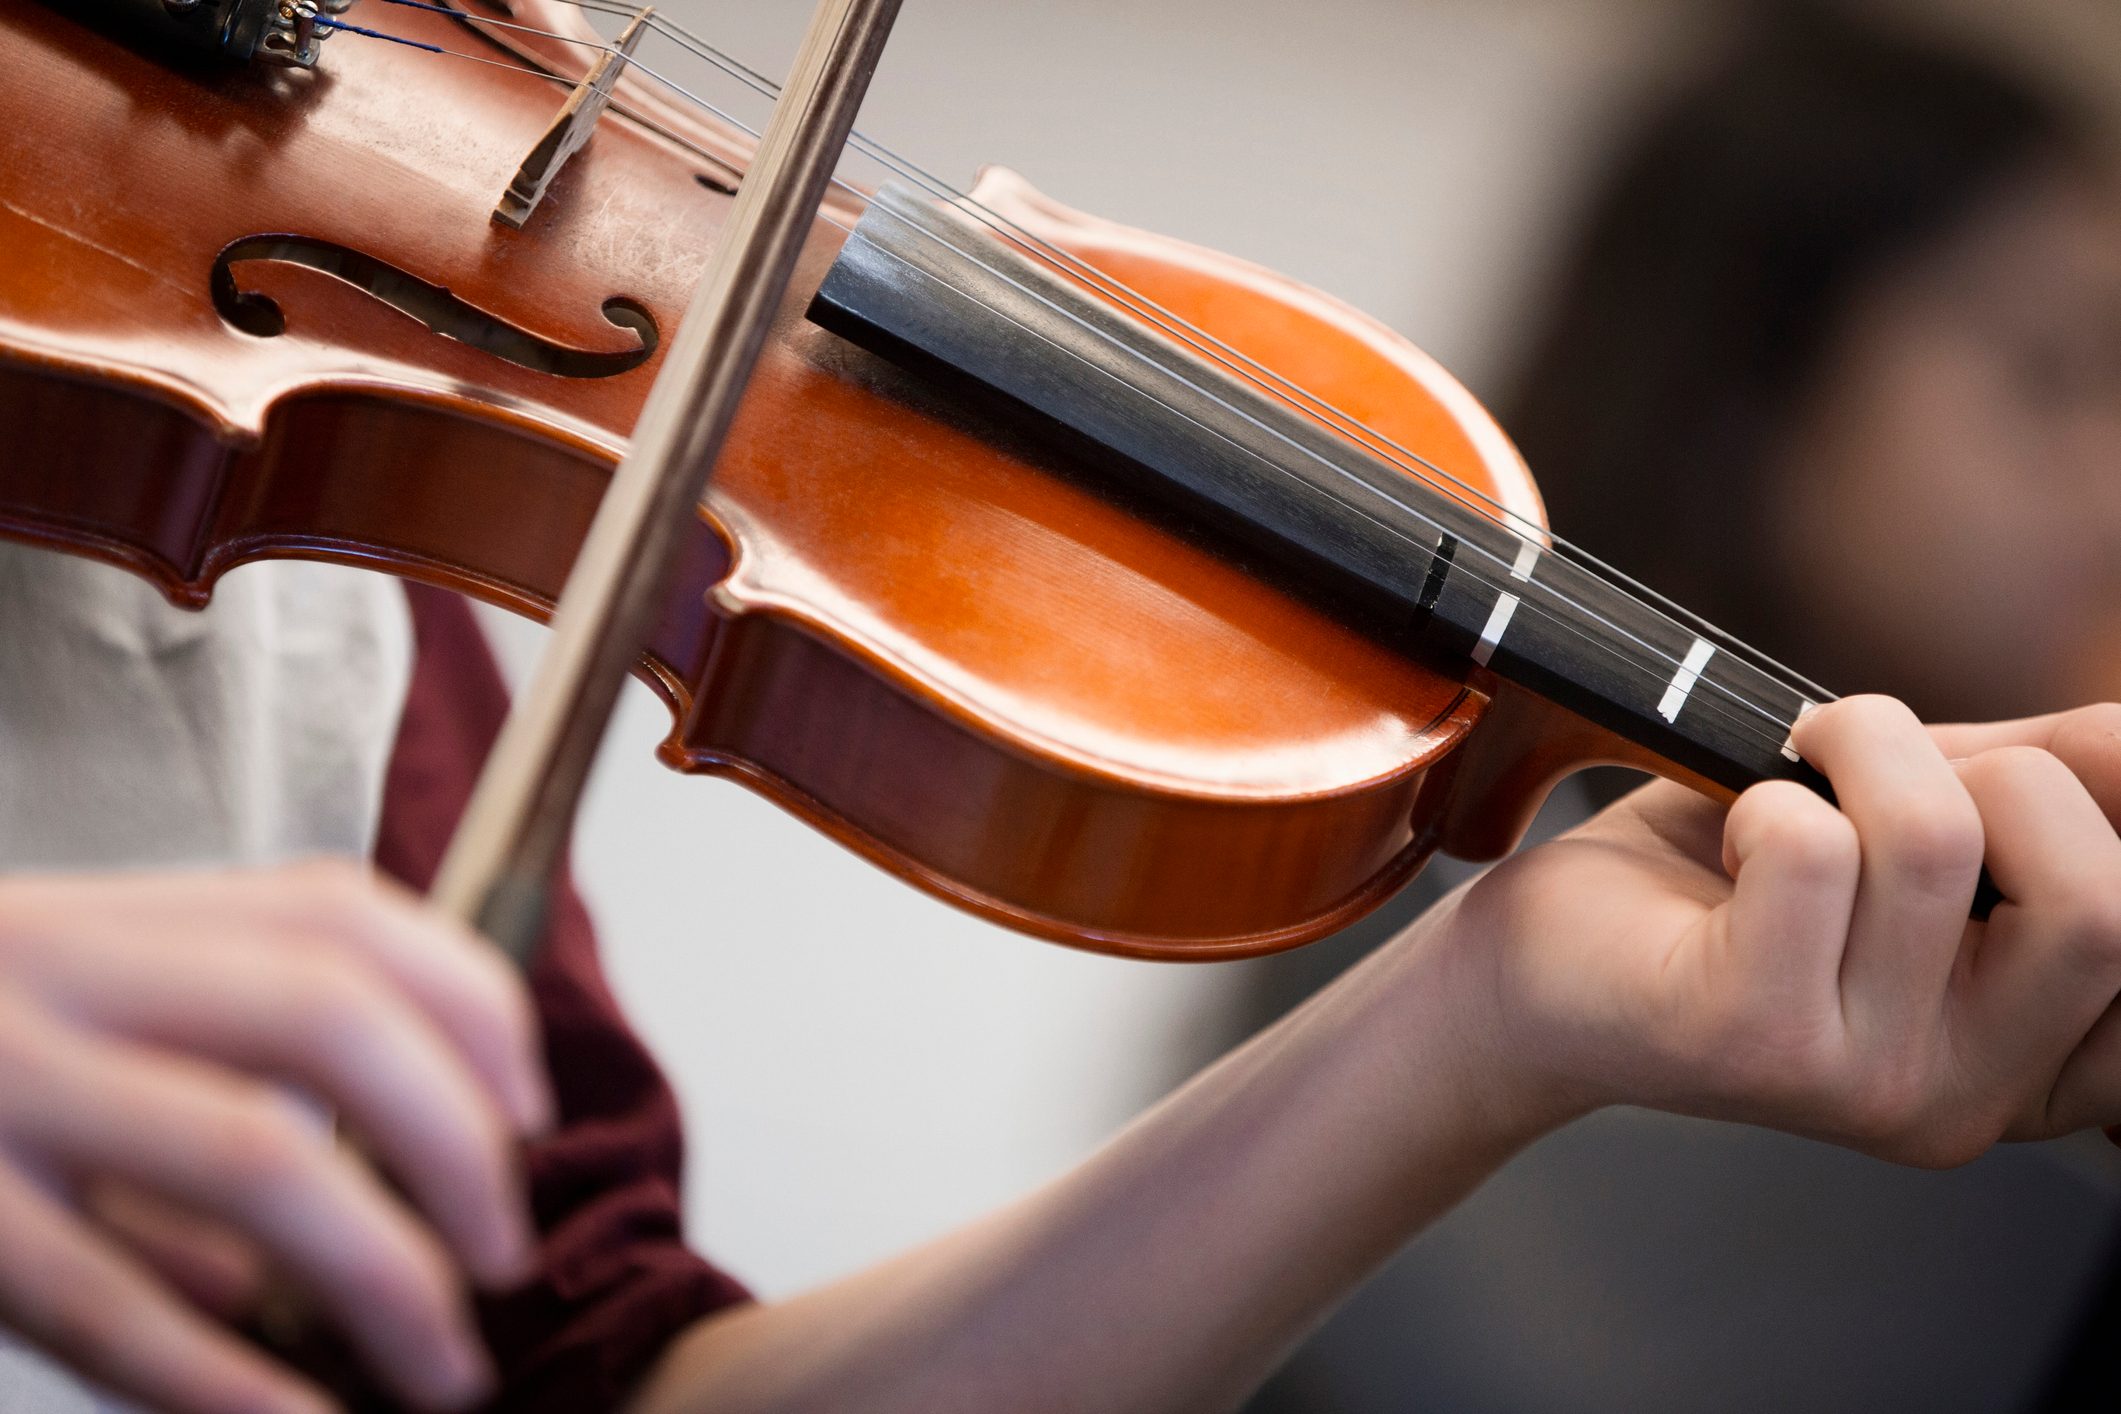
577	120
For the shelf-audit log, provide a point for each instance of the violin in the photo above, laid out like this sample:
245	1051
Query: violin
1112	588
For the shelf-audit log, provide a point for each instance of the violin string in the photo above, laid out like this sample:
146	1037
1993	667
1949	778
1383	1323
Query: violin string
1662	660
1241	365
1665	661
1032	243
1237	361
1755	713
1002	225
1747	725
1596	644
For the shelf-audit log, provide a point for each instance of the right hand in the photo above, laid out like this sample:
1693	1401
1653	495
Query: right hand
151	1030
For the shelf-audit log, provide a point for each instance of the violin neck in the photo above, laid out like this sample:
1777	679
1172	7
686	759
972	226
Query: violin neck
1417	558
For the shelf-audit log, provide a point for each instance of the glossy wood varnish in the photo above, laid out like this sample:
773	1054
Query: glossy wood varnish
902	617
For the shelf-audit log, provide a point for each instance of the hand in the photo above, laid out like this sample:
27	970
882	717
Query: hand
153	1162
1814	969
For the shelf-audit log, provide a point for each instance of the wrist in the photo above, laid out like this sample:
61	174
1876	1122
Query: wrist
1452	1020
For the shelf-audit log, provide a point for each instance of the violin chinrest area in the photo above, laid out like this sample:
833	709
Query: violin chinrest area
247	314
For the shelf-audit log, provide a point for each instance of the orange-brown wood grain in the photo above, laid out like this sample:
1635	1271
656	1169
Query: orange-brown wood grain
903	618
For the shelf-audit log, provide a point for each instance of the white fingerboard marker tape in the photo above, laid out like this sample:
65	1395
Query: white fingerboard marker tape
1498	620
1683	681
1789	748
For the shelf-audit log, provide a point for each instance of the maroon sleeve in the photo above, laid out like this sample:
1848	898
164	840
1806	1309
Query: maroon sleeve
616	1282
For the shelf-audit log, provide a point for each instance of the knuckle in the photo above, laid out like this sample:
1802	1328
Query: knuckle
330	999
2018	767
1869	712
262	1144
2087	911
2096	728
399	1273
1816	845
1774	797
1939	846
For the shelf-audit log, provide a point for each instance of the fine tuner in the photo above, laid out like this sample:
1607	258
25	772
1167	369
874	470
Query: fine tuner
288	32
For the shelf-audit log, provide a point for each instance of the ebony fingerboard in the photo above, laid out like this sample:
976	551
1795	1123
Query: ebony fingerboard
930	283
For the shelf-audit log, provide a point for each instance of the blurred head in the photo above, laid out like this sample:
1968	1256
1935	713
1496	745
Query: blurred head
1837	363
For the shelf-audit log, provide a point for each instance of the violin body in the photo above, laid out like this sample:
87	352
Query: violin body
251	313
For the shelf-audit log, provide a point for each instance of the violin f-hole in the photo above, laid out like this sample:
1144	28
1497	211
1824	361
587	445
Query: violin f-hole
433	305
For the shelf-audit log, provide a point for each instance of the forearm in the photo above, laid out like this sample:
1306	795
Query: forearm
1175	1268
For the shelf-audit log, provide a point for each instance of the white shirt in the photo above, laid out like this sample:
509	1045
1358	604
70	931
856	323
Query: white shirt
135	734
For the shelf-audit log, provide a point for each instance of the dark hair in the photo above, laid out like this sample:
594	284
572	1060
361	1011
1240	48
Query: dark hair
1713	269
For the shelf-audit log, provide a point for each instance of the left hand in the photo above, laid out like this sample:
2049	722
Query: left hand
1815	970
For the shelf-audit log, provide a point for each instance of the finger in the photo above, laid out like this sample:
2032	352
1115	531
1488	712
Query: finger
463	981
1796	864
1962	739
83	1303
2049	962
210	1263
341	1031
242	1153
2087	1094
1921	838
471	993
2087	739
